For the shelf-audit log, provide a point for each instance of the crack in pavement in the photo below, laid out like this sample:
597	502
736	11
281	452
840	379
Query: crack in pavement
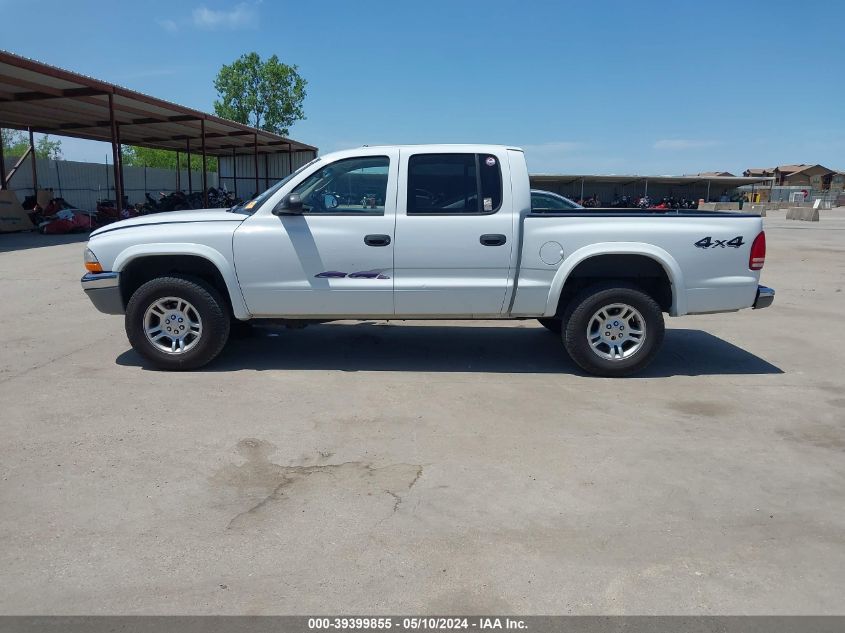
278	482
29	370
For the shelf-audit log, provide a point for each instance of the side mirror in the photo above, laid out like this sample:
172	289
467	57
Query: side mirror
291	204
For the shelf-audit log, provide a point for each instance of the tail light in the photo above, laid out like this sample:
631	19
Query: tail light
758	252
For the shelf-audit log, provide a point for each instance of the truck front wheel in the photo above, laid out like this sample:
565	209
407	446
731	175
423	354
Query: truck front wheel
613	329
177	322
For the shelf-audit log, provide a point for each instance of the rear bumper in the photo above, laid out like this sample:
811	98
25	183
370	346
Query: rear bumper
103	289
765	297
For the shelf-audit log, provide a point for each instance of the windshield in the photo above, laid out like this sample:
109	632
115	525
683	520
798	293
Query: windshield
251	206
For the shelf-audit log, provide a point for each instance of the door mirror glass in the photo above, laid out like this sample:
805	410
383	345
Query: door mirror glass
291	204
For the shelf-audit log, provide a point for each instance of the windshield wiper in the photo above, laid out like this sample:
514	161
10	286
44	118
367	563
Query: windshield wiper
240	208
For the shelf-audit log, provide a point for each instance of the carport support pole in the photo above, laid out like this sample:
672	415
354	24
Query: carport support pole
2	165
645	193
234	171
188	151
118	190
266	171
290	159
581	201
34	168
178	173
120	167
204	174
255	156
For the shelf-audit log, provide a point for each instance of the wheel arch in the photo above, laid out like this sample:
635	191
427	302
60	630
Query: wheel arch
622	252
141	263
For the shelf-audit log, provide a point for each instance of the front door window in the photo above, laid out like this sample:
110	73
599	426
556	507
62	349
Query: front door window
349	186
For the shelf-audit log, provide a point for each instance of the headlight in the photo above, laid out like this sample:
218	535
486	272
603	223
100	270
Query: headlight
92	264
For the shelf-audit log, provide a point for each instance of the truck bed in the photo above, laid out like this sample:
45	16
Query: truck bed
616	212
705	254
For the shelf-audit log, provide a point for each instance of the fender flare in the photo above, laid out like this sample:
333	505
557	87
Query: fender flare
662	257
214	256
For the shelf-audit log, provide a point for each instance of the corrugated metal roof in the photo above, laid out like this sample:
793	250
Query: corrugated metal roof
52	100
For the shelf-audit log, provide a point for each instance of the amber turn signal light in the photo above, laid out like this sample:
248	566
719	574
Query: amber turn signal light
92	264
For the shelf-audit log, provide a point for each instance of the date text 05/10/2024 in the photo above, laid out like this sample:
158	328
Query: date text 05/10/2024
428	623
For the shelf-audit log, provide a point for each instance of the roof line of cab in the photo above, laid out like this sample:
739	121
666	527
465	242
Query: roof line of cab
458	145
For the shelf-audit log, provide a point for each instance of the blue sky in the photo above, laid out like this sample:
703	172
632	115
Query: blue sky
609	87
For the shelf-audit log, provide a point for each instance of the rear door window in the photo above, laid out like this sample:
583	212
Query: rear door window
457	184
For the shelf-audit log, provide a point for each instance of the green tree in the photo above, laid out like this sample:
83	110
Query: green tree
45	147
163	159
265	94
15	143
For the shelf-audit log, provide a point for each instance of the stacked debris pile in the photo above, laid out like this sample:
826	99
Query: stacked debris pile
58	216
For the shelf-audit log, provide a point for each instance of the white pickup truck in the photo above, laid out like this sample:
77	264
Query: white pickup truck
421	232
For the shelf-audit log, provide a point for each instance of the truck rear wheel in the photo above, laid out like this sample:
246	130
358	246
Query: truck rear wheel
177	323
613	330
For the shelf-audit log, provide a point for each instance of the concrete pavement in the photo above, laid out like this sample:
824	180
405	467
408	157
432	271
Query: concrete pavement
416	467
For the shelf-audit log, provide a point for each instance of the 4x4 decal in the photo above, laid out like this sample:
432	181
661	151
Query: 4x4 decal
709	242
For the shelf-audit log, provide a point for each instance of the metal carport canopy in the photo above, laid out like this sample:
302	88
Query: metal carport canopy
52	100
726	181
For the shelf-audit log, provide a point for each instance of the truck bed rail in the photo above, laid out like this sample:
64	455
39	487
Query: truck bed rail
647	213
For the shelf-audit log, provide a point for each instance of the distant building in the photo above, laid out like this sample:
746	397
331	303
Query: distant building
759	172
715	174
816	177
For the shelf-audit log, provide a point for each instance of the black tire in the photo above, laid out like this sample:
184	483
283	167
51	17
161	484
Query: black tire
552	324
580	312
212	310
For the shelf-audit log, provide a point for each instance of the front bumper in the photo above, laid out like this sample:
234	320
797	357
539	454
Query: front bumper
765	297
104	291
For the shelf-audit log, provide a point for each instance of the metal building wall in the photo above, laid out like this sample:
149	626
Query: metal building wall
608	192
271	168
82	184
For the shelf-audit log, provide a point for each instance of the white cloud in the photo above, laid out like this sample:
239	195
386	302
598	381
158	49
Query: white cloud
168	25
553	147
571	157
683	143
553	156
241	16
